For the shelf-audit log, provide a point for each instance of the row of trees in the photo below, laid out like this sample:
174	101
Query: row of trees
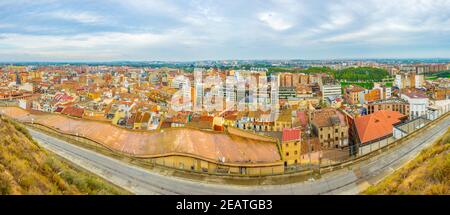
361	74
347	74
440	74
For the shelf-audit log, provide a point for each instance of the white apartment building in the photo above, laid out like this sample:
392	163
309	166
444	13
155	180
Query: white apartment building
418	104
26	87
398	81
419	80
330	90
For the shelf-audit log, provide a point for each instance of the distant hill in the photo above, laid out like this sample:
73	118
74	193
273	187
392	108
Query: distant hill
429	173
25	168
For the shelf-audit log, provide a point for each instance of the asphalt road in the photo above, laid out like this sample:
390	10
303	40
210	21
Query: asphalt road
345	181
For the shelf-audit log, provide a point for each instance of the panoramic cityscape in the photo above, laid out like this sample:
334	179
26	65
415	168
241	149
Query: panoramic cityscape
229	98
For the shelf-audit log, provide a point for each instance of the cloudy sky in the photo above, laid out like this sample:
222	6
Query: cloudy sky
109	30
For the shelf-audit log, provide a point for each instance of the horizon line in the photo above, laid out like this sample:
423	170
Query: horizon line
191	61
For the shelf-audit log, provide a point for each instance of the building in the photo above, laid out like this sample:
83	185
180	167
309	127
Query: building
409	80
431	68
286	80
372	95
287	92
418	103
352	94
393	104
377	126
330	127
291	146
440	93
304	92
284	120
292	79
330	87
385	91
392	70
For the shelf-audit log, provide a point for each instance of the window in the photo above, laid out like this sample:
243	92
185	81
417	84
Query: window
287	153
321	129
329	136
342	134
336	138
336	130
321	136
295	152
295	144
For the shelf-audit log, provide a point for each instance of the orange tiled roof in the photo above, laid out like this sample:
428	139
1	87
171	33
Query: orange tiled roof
73	111
376	125
354	88
290	134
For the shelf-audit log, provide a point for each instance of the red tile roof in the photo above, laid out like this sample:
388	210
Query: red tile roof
73	111
302	118
415	95
376	125
63	98
290	134
59	109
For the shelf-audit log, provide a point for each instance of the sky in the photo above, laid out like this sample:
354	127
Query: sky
185	30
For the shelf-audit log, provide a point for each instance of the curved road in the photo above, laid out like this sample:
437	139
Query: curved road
345	181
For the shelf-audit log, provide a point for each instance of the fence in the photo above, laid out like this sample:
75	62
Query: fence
8	104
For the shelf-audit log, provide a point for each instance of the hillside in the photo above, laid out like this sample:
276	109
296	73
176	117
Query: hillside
361	74
428	174
25	168
352	74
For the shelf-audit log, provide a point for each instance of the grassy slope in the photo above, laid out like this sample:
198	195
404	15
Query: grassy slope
429	173
25	168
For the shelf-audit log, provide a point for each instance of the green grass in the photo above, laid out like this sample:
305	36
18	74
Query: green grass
389	84
367	85
428	173
26	168
436	75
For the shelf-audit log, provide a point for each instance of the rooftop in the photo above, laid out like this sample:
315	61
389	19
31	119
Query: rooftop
328	117
290	134
391	100
377	125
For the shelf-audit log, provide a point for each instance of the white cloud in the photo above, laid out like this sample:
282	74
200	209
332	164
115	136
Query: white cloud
337	21
211	28
275	21
115	45
81	17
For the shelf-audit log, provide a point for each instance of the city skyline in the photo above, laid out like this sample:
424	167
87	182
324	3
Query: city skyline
137	30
